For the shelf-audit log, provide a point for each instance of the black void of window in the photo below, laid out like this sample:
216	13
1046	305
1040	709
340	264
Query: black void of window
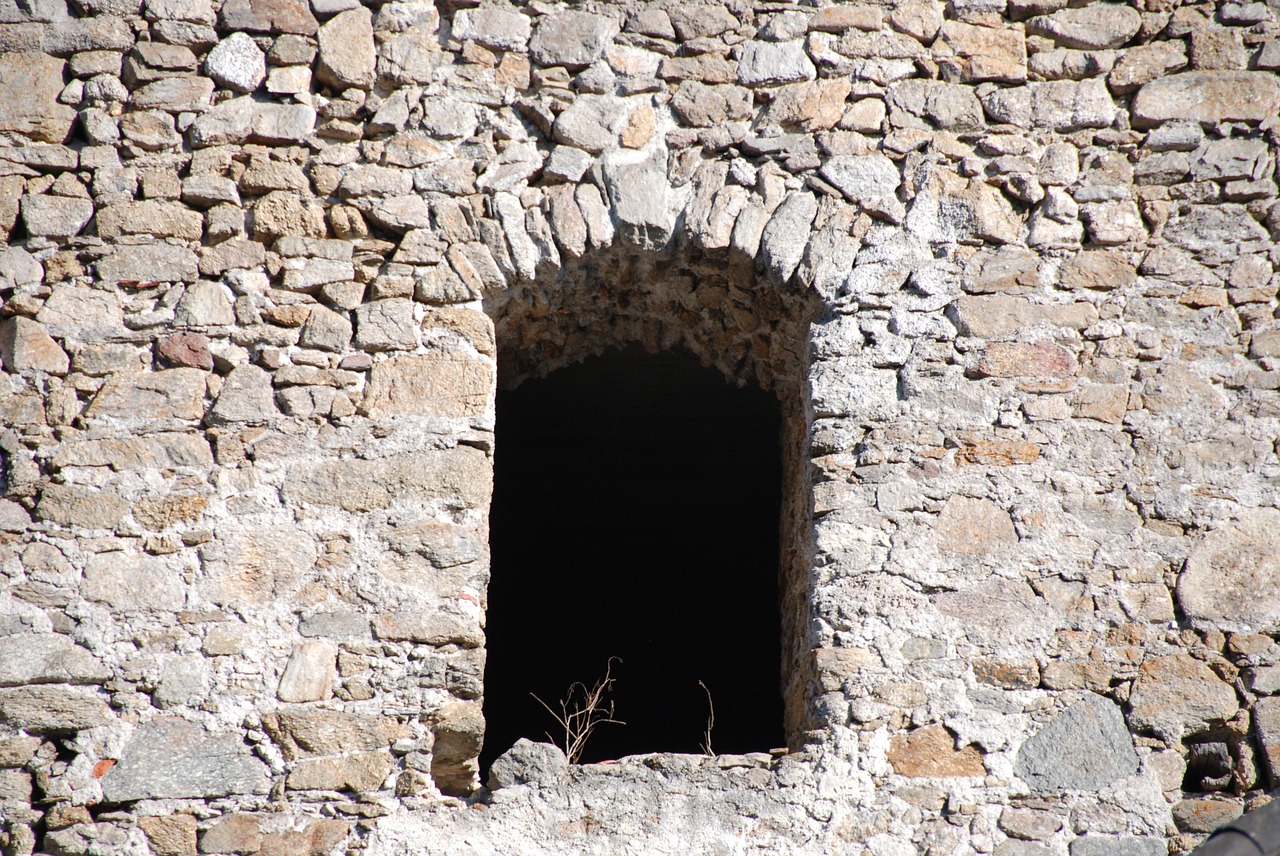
635	515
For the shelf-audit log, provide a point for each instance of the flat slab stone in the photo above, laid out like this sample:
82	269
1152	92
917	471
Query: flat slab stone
176	759
1232	577
1208	96
1085	747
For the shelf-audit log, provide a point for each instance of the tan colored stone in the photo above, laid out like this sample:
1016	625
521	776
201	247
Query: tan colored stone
158	513
174	835
358	485
836	665
167	394
30	83
51	707
972	526
255	565
1208	96
1097	269
431	628
972	53
459	733
1105	402
813	105
72	505
1018	359
357	771
233	833
133	582
703	106
449	385
25	347
329	732
1006	674
1175	695
347	56
1232	577
137	453
280	213
930	752
999	315
161	219
997	453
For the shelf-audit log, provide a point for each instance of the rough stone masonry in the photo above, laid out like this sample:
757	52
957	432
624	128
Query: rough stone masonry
1008	264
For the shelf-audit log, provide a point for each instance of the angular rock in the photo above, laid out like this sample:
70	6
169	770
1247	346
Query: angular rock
386	325
1231	579
930	752
246	397
237	63
174	759
356	771
186	349
167	394
429	628
149	262
1176	695
55	216
256	565
30	83
529	763
1266	726
1141	64
591	122
971	526
26	347
1108	845
358	485
703	106
1085	747
972	53
492	27
75	506
45	658
264	16
309	734
133	582
784	239
1208	97
52	708
641	197
204	304
765	63
347	55
1019	359
172	835
310	672
572	39
862	178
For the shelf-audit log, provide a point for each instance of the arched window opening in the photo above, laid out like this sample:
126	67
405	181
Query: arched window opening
636	515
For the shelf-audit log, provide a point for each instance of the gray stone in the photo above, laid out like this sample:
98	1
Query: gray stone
386	325
326	330
784	239
704	106
246	397
1085	747
174	759
52	708
862	178
90	508
358	485
529	763
1175	695
1232	576
162	395
264	16
25	346
1106	845
591	123
1266	725
44	658
1215	231
640	196
204	304
149	262
765	63
237	63
131	583
494	28
572	39
55	216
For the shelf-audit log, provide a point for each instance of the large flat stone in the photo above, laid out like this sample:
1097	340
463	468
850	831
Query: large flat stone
176	759
1085	747
168	394
1232	578
29	87
31	658
42	709
1176	695
1209	97
359	485
437	384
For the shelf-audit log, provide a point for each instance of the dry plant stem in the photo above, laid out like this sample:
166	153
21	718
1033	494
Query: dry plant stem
711	722
581	710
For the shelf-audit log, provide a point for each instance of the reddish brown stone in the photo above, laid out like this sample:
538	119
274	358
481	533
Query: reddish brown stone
930	752
1018	359
187	349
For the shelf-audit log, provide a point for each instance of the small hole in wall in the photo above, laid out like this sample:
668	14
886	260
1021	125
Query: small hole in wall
636	515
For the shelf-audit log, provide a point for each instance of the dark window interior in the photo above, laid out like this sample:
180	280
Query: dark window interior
635	515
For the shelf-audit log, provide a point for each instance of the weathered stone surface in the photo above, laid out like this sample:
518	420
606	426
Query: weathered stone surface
347	55
429	384
783	241
1108	845
572	39
1208	96
930	752
285	16
29	87
186	349
45	658
52	708
204	304
765	63
173	835
641	198
25	346
147	262
355	771
591	123
1097	269
55	216
92	508
1085	747
431	628
246	397
362	485
386	325
493	28
1175	695
704	106
133	582
974	53
1018	359
862	179
310	672
172	758
295	834
1100	27
528	763
167	394
306	734
973	526
459	732
1232	577
1266	726
1205	815
237	63
255	565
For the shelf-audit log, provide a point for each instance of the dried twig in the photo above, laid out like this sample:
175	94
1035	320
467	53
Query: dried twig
581	710
711	722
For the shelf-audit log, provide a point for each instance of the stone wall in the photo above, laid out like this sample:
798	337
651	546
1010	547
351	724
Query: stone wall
1009	264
